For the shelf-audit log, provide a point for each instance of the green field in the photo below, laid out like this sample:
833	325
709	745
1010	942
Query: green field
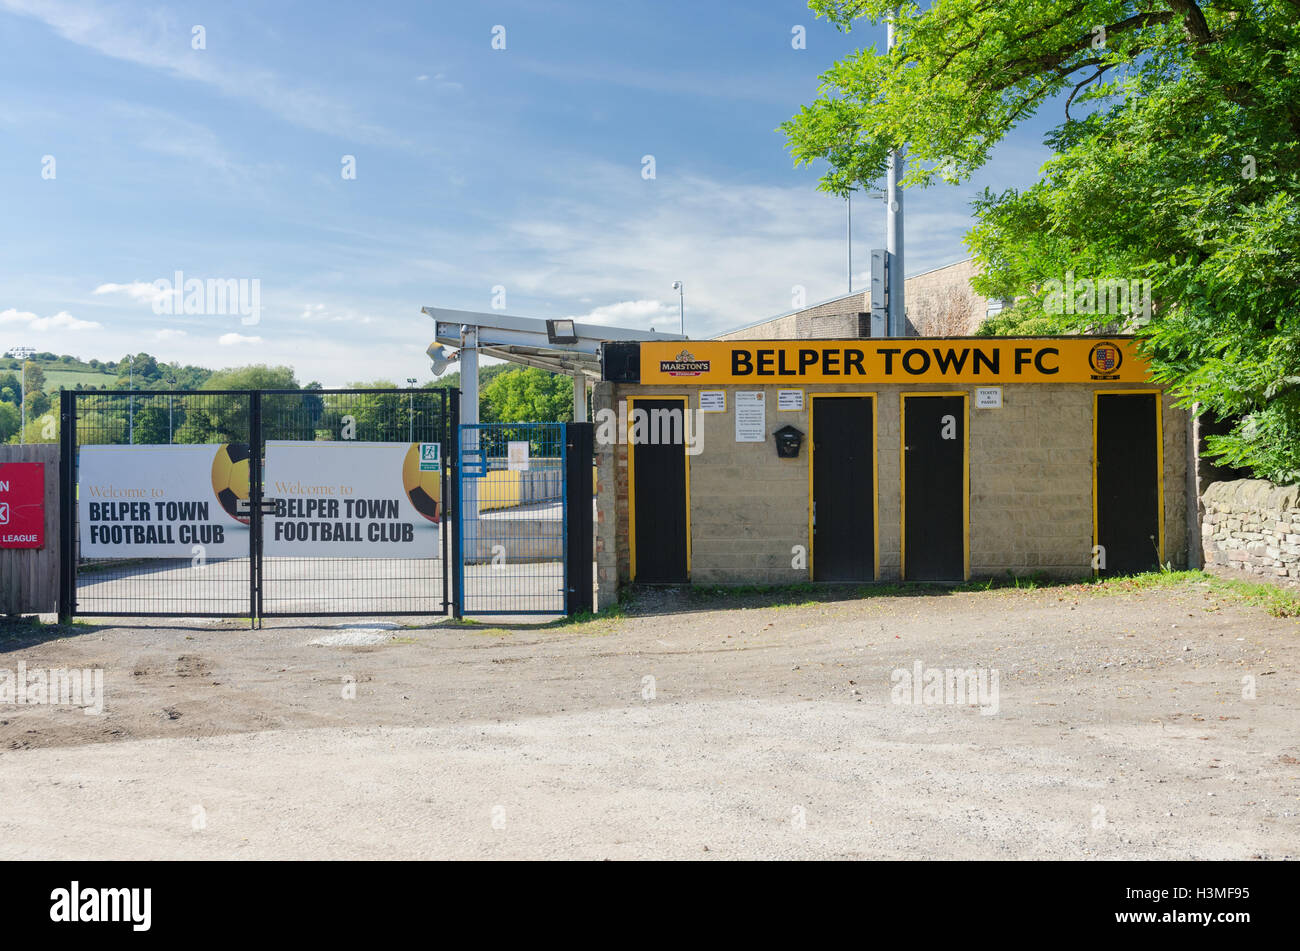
58	375
65	375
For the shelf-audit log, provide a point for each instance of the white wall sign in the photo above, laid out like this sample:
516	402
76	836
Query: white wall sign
713	401
788	401
162	501
988	397
751	417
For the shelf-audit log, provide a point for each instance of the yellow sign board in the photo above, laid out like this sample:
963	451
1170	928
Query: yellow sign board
894	360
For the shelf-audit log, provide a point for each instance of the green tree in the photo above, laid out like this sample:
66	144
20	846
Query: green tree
38	401
42	428
9	421
34	377
257	376
527	394
212	417
10	388
1176	162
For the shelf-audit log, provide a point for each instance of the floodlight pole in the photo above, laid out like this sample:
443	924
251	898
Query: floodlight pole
130	399
894	223
410	411
22	399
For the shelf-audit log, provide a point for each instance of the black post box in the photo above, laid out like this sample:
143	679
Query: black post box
788	440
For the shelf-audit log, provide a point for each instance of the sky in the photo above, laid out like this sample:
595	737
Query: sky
361	161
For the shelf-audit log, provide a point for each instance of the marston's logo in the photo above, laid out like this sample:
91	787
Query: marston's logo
684	364
1105	358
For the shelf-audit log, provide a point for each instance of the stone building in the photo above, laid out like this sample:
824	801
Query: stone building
940	303
847	460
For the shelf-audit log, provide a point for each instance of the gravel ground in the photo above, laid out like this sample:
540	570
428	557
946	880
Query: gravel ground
766	731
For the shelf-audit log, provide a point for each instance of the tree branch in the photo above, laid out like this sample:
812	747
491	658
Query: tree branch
1198	31
1097	75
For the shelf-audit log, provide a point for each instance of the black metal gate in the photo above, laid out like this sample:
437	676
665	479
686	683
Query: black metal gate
226	575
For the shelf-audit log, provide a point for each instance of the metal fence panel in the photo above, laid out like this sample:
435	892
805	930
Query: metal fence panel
318	586
249	585
188	586
512	527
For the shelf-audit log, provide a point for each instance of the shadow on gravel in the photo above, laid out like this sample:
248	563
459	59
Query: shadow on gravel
667	599
20	633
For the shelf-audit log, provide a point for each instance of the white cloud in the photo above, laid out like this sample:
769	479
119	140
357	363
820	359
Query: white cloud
141	291
640	314
319	312
234	340
60	321
169	334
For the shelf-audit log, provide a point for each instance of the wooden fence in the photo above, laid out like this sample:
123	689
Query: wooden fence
29	577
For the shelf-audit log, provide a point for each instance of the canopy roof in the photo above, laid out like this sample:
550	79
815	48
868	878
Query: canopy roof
524	339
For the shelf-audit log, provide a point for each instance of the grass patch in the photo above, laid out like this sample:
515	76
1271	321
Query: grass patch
810	594
1275	600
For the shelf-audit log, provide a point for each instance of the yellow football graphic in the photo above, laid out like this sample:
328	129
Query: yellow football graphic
424	489
230	478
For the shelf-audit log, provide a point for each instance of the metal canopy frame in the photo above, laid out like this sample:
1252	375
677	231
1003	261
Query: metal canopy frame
523	339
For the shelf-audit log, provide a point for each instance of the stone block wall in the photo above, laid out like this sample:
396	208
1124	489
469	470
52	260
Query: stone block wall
1253	526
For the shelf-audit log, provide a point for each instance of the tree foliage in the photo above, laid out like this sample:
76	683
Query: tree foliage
527	394
1176	162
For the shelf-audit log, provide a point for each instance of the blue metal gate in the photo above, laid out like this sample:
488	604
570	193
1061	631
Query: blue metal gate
511	518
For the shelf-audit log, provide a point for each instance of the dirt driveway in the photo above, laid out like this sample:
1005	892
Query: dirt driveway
691	728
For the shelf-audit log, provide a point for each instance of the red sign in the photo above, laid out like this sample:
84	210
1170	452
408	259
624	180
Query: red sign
22	505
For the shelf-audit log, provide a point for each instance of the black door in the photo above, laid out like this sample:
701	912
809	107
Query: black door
659	471
934	487
1128	474
844	489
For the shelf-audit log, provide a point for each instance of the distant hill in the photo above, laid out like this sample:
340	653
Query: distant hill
63	371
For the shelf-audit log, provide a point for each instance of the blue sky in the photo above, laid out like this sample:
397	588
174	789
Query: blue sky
475	168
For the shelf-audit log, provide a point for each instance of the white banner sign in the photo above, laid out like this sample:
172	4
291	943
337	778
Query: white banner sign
350	500
162	501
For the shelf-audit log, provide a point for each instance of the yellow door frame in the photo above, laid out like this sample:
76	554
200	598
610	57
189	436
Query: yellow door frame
875	473
902	478
1160	469
631	479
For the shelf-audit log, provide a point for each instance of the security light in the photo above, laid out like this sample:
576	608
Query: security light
561	331
440	358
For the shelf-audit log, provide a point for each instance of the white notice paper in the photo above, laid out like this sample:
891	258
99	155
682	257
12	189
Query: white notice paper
517	456
751	417
713	401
